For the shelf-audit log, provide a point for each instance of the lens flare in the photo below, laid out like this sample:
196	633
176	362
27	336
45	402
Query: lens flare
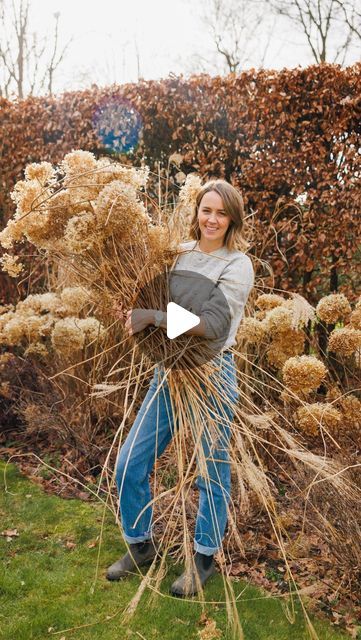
117	124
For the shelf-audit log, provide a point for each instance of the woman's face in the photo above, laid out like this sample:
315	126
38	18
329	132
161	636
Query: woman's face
212	219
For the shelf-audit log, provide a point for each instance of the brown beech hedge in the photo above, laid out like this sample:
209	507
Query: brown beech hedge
289	139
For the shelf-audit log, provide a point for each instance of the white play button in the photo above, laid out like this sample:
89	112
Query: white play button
179	320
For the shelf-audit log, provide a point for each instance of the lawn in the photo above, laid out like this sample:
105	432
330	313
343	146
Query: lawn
50	583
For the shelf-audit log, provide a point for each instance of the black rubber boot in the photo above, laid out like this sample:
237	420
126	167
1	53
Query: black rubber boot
187	584
139	555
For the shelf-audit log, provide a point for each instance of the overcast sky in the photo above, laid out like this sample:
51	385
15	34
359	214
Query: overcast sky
169	36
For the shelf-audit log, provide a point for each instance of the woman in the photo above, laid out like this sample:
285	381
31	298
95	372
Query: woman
216	230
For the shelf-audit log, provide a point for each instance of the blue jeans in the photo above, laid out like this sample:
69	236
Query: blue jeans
148	437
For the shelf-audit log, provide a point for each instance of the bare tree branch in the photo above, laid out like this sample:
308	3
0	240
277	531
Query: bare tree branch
323	22
234	26
27	65
56	59
351	16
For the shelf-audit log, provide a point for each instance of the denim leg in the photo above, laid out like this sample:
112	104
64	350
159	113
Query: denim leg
149	435
214	490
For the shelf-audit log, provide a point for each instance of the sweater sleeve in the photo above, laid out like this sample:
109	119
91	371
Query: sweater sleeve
235	283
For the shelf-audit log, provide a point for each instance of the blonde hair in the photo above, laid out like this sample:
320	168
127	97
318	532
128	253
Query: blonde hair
233	206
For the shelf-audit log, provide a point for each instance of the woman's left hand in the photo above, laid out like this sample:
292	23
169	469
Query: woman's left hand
137	320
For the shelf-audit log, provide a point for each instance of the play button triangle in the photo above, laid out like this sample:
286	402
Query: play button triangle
179	320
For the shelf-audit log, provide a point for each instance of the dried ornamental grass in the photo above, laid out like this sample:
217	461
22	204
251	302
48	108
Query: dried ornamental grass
303	312
332	308
303	373
312	417
344	341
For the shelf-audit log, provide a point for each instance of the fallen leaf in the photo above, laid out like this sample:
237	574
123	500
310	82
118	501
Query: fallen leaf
91	545
209	631
10	533
70	545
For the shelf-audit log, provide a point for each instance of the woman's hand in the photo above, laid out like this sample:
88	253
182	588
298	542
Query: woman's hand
118	310
137	320
134	320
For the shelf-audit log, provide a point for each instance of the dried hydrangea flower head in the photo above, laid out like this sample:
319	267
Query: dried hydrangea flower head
43	172
72	213
39	303
80	232
285	344
278	319
37	318
67	337
92	329
251	331
281	326
350	407
187	198
355	318
119	211
21	328
303	373
74	299
30	198
269	301
333	308
71	334
11	265
344	341
293	313
109	171
312	417
79	169
189	191
10	234
37	350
